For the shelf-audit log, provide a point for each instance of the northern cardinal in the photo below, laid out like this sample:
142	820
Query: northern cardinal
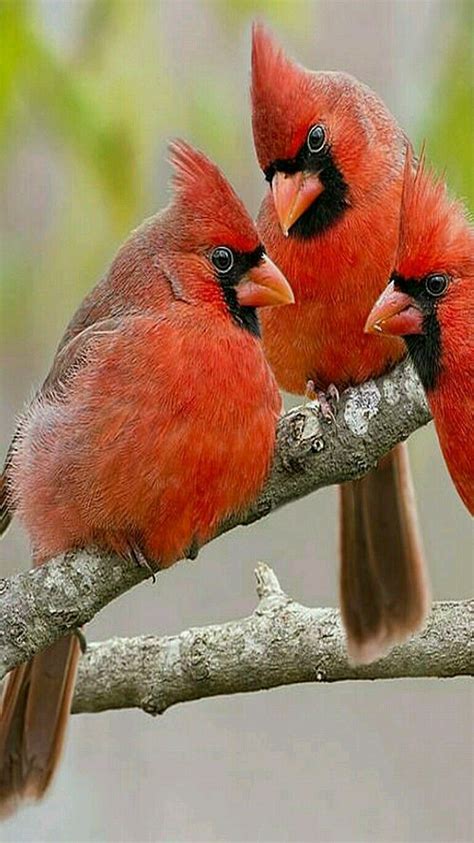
430	303
156	421
333	156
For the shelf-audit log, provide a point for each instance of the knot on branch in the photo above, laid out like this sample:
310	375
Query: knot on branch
272	597
195	655
299	434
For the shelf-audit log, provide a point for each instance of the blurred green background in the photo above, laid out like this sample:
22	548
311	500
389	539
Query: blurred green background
90	92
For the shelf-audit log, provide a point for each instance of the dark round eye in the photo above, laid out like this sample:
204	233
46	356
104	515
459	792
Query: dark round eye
316	139
223	259
436	284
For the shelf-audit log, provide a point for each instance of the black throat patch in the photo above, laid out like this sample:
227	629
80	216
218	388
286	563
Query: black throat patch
245	317
425	349
330	204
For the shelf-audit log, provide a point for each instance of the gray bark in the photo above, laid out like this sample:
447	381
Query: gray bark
39	606
281	643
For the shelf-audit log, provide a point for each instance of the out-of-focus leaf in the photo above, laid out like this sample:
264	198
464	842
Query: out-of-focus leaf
291	13
211	117
58	95
14	292
74	110
98	18
12	52
449	125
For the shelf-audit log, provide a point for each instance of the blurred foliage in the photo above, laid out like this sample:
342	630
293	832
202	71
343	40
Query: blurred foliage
78	110
34	77
231	12
449	119
89	92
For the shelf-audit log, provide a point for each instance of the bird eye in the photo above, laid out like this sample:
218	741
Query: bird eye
436	285
223	259
316	139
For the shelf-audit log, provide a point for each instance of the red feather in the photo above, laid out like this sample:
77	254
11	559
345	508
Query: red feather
336	273
205	208
156	422
438	237
435	234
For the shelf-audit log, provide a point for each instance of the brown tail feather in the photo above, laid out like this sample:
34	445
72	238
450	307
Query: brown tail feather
384	585
5	513
35	708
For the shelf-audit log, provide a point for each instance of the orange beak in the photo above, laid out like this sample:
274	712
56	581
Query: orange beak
264	286
394	313
293	194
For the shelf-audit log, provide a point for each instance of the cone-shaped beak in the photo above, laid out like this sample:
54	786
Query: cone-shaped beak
293	194
264	286
394	313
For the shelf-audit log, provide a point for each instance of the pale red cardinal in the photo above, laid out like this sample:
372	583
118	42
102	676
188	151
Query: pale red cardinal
156	422
430	303
333	157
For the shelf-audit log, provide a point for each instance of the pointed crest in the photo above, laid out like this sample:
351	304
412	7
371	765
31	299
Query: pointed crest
409	171
279	86
192	169
206	200
269	63
434	231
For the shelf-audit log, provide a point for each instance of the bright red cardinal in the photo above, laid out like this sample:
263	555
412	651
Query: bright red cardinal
333	157
430	303
156	422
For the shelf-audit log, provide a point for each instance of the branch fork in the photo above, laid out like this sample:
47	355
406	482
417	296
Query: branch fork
280	643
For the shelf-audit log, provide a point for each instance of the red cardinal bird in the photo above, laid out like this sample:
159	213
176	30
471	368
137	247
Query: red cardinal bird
430	303
156	422
333	156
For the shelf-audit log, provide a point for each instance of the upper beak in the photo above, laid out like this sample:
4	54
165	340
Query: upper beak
293	194
264	286
394	313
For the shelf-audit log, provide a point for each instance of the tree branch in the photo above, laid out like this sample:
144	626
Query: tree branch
281	643
39	606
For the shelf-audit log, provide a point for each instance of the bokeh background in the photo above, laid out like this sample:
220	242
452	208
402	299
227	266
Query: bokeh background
90	92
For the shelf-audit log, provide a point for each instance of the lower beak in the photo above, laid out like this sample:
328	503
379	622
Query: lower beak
264	286
394	313
293	194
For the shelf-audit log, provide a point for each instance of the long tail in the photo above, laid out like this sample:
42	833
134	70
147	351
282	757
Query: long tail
34	712
384	586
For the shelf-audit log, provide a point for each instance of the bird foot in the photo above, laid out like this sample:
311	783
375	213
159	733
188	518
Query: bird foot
192	552
136	556
327	401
